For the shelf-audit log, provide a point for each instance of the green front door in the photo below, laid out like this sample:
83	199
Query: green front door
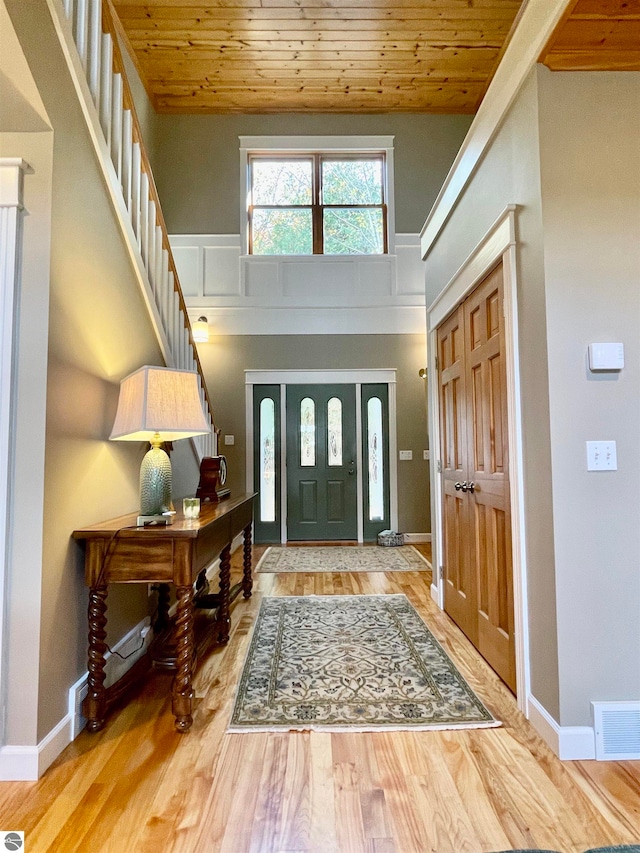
321	462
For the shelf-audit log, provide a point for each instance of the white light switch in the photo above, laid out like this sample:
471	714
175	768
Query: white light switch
406	454
426	454
229	439
602	456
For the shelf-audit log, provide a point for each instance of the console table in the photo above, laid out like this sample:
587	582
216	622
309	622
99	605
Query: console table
119	552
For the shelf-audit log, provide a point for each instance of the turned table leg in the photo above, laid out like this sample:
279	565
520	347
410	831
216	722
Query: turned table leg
247	580
224	620
95	704
182	691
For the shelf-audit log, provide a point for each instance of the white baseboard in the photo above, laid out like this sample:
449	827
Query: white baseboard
28	763
416	538
19	764
570	743
434	594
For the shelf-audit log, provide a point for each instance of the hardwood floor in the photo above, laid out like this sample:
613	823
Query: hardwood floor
140	786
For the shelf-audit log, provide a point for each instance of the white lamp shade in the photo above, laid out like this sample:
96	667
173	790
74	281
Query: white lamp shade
159	400
200	330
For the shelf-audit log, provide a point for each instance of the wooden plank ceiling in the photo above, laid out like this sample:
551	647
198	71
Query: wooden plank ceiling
598	35
375	56
358	56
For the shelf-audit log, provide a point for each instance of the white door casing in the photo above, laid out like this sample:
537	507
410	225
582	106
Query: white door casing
356	377
498	243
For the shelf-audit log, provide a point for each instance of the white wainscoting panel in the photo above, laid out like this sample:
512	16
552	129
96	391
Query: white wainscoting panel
221	271
262	280
245	294
189	265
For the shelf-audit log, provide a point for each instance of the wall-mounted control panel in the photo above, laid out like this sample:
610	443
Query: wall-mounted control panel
606	356
405	455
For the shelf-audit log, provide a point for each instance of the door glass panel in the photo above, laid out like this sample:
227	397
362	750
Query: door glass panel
334	431
307	433
267	460
375	459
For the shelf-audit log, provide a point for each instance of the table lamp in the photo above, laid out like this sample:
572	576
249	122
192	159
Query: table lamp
158	404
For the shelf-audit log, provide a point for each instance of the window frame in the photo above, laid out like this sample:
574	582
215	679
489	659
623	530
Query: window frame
327	147
317	206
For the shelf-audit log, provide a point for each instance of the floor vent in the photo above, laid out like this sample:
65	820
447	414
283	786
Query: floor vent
617	730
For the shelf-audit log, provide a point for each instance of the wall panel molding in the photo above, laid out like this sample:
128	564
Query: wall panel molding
302	294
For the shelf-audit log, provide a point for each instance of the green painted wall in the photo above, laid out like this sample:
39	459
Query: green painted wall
196	162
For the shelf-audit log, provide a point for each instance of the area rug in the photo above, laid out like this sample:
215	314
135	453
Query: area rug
343	558
350	662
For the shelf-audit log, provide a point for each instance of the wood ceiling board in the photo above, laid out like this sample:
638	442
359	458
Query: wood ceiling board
371	46
598	35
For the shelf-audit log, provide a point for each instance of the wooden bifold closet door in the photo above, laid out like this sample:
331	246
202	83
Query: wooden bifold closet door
478	574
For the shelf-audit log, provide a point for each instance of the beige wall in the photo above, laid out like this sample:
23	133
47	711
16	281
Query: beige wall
510	173
590	177
99	331
568	155
227	357
197	162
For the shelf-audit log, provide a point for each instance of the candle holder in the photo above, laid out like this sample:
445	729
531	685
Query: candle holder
191	507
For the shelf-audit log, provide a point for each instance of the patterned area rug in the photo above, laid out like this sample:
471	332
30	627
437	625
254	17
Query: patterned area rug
343	558
357	662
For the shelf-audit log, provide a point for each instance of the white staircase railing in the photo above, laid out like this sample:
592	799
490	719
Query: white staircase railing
111	108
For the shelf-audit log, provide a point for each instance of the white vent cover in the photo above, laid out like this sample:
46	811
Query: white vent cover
617	730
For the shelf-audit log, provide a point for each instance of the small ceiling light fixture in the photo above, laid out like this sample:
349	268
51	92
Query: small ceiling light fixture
422	373
200	330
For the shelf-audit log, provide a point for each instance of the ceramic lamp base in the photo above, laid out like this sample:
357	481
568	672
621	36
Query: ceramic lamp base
155	483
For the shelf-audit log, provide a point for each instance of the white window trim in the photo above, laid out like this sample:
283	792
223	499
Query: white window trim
318	144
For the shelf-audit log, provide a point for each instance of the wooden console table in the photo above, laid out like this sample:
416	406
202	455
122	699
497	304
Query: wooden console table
119	552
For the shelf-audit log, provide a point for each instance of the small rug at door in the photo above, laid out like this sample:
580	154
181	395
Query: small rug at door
350	663
343	558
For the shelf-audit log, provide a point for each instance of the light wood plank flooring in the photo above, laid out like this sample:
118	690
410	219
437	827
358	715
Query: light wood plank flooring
139	786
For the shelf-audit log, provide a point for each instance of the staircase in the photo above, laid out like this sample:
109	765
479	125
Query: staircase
87	33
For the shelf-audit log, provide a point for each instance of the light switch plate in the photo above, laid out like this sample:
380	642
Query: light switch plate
405	455
229	439
426	454
602	456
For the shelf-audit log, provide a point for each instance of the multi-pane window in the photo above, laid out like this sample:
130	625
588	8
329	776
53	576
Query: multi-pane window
317	204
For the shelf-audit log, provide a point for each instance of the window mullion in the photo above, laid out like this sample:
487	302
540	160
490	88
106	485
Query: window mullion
316	211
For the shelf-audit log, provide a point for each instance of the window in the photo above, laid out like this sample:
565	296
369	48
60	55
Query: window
267	460
317	195
307	433
317	204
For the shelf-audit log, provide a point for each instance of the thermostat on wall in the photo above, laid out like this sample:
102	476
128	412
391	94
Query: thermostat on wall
609	356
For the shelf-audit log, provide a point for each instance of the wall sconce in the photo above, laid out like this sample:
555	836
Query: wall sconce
422	373
200	330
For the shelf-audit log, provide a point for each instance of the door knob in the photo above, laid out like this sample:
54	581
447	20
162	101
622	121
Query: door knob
459	486
467	487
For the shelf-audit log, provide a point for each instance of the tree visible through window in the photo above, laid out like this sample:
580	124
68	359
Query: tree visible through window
317	204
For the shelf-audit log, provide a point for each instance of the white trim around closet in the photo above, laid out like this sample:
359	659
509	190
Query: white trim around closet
499	244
